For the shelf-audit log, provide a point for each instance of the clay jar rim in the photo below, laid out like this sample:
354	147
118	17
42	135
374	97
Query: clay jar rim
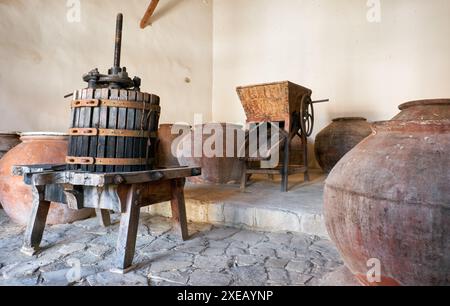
341	119
426	102
174	124
35	136
241	126
3	133
412	126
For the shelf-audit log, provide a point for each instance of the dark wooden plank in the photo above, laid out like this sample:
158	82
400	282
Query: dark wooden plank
179	207
78	178
87	124
150	176
145	142
156	192
74	123
285	171
112	124
47	178
129	141
305	158
154	124
24	169
93	145
121	125
244	176
103	217
139	126
55	193
74	197
129	222
70	177
153	127
106	198
36	223
79	140
101	148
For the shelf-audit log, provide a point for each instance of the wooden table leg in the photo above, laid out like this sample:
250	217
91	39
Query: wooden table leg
36	223
244	177
129	223
305	158
285	169
103	217
179	207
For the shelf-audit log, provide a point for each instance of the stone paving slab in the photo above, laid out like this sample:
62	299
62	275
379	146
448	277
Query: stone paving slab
341	277
81	254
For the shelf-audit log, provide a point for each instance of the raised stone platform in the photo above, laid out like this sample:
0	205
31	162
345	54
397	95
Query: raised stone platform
262	207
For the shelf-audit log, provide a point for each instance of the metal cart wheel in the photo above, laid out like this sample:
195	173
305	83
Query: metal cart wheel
307	115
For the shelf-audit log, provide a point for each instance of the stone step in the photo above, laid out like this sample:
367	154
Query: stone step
262	207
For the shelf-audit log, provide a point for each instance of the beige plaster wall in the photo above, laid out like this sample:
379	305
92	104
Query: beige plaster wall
366	69
43	56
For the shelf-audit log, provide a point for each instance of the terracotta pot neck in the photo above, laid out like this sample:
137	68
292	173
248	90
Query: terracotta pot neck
429	102
9	134
169	125
439	126
43	138
27	137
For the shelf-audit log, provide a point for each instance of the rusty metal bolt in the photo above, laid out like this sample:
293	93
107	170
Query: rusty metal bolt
118	179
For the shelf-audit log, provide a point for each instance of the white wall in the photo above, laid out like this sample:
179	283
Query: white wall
366	69
328	45
42	57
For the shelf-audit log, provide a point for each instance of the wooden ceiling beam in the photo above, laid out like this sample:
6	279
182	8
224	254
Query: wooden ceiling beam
149	13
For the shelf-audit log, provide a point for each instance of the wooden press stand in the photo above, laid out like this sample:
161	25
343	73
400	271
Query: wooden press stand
124	193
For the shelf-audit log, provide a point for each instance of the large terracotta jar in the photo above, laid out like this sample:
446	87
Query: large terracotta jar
389	199
217	169
168	136
337	139
16	197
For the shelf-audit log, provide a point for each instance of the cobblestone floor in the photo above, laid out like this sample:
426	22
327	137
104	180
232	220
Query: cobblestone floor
213	256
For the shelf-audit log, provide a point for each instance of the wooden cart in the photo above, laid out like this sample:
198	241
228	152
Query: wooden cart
286	107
